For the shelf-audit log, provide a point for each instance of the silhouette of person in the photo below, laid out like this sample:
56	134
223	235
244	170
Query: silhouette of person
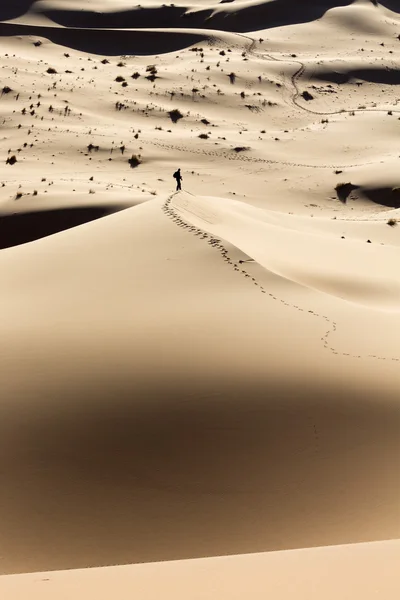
177	175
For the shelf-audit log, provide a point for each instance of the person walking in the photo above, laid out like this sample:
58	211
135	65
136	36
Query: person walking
177	175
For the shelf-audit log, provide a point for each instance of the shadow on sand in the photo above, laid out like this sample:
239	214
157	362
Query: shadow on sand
15	8
110	43
21	228
121	473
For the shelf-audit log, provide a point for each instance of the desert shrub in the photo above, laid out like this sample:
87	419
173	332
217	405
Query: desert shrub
343	190
392	222
205	121
134	161
51	71
135	75
175	115
204	136
37	43
119	79
11	160
105	61
121	64
18	195
241	148
6	90
307	96
232	77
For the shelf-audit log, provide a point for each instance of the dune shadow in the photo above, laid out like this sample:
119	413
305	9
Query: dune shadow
385	76
385	196
110	43
20	228
274	13
14	9
154	472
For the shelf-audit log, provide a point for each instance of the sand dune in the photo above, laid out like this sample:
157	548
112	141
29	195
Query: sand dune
215	371
366	571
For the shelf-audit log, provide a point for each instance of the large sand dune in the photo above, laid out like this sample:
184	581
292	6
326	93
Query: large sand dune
213	371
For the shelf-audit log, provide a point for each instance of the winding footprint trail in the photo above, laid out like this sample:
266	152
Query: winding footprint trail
216	243
295	78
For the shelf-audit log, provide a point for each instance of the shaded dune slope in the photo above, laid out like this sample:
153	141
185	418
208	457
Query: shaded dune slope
112	42
375	74
14	9
26	227
178	473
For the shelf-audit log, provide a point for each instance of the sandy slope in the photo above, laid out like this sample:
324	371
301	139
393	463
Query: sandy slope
213	372
367	571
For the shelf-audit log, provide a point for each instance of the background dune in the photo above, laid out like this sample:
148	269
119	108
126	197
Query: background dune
215	371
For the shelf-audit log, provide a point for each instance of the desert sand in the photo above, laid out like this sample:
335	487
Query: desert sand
206	381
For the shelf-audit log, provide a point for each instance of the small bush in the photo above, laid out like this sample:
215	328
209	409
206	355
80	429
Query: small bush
204	136
11	160
6	90
175	115
134	161
392	222
343	190
119	79
232	77
135	75
307	96
241	148
51	71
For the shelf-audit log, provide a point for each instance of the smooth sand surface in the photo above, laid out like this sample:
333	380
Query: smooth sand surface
367	571
215	371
